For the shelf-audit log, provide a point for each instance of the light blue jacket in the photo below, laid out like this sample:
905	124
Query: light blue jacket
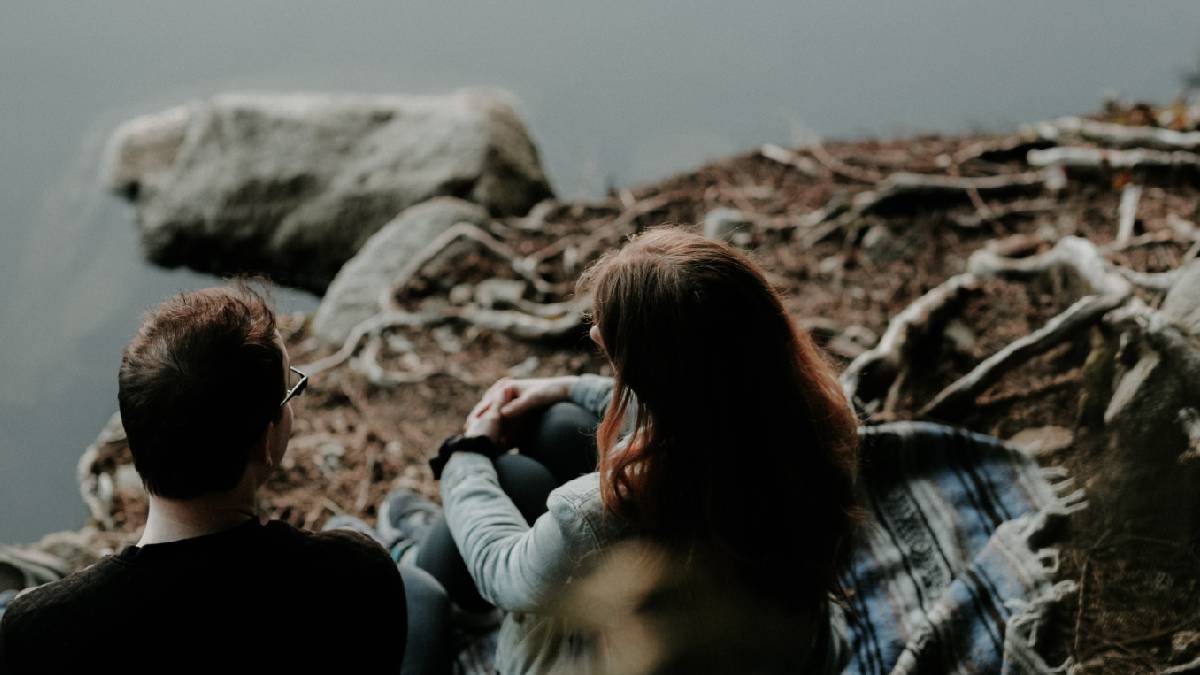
524	570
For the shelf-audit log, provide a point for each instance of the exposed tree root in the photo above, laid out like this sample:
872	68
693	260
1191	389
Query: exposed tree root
1085	312
876	368
901	190
1098	159
1117	135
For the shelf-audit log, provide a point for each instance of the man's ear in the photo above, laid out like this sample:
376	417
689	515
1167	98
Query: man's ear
261	450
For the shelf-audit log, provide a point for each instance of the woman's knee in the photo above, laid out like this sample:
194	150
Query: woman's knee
527	482
563	438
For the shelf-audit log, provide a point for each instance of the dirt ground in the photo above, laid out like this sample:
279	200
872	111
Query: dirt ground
1139	601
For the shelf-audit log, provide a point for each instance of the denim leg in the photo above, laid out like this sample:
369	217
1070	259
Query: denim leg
427	643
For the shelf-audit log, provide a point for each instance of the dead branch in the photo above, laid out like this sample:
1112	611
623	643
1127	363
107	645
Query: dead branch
367	363
788	158
882	362
976	220
840	168
1102	158
1078	316
902	187
1073	253
389	318
1005	150
552	321
1117	135
1127	213
1151	281
465	230
635	208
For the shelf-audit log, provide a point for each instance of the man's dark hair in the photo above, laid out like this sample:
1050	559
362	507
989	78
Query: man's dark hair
197	387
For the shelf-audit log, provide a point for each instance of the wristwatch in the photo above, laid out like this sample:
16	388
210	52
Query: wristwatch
478	444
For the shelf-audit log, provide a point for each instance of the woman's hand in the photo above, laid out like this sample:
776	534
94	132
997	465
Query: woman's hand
486	424
508	399
513	398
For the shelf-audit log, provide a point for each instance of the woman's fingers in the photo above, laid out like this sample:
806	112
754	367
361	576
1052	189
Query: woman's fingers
523	402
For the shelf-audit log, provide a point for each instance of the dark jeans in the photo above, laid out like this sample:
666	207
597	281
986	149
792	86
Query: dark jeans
427	642
556	447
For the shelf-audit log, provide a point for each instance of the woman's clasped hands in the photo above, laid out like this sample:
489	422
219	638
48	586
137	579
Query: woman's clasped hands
504	405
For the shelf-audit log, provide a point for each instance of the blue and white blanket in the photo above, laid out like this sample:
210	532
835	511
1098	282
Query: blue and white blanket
948	576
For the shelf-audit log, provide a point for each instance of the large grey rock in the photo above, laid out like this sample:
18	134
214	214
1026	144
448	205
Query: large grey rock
292	185
354	294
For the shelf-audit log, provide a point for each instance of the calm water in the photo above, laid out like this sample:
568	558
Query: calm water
615	93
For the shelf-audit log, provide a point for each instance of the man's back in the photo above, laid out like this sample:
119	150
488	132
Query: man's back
255	596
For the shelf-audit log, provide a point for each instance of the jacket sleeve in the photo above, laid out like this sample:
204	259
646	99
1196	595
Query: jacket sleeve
516	567
592	393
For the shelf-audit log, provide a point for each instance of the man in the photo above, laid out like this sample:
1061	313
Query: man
204	391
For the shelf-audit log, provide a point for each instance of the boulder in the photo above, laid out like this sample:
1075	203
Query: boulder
291	185
356	290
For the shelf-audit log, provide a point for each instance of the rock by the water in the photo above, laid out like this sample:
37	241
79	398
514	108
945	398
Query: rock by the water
292	185
354	294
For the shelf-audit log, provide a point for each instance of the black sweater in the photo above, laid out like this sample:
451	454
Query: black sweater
264	597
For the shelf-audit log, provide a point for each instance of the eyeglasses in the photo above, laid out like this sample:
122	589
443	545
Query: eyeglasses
297	388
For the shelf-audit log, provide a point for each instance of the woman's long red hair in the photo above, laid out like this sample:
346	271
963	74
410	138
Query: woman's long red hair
744	446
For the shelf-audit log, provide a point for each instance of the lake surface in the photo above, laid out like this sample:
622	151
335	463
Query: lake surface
615	93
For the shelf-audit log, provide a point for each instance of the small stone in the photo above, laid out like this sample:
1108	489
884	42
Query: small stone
398	343
1042	441
447	340
845	347
330	454
726	225
830	265
492	293
861	335
961	337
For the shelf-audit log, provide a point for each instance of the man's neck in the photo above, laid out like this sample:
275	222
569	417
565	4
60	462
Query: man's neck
178	519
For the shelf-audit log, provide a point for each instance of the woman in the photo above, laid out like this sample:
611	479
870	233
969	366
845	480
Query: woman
723	441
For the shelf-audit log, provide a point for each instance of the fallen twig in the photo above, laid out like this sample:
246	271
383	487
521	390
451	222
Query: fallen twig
1018	208
786	157
1127	213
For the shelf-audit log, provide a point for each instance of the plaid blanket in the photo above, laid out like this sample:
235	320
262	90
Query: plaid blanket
948	578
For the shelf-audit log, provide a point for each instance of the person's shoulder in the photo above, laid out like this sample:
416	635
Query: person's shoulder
579	494
341	544
581	515
71	594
